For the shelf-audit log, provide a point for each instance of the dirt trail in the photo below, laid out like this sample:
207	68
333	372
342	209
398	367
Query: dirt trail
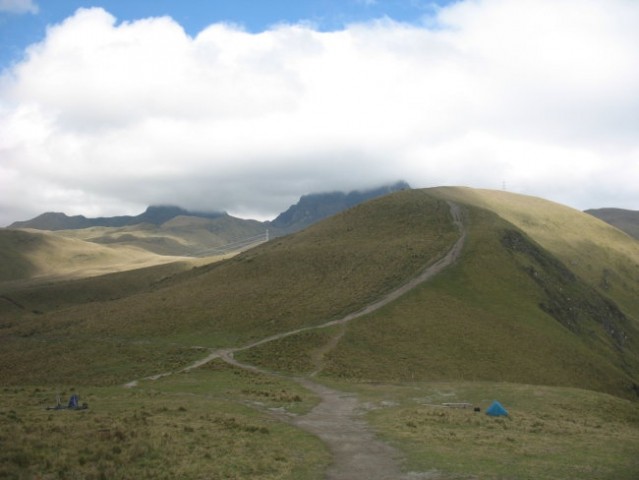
451	256
357	453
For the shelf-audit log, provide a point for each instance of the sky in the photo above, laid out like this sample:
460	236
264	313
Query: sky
107	107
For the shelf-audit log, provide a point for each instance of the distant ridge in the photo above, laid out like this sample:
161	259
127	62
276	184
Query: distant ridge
315	207
626	220
156	215
309	209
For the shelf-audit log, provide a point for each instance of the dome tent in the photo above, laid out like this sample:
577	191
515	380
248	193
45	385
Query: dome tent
496	409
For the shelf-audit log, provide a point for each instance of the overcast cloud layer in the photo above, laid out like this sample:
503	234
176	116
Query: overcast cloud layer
104	118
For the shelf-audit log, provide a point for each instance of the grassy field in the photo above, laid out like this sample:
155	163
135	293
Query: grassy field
551	433
212	423
217	422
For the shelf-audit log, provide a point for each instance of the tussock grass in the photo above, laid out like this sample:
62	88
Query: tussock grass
495	315
520	307
190	426
481	319
47	359
17	300
602	255
297	354
322	273
551	433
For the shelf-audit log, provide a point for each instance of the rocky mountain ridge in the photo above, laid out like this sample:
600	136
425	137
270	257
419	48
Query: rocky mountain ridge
309	209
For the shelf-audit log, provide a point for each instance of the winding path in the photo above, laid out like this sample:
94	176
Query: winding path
357	453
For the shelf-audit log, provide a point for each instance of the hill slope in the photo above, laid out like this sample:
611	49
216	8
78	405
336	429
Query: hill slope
626	220
518	306
181	235
336	266
509	311
29	255
169	230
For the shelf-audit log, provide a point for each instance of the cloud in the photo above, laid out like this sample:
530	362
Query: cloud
105	117
19	6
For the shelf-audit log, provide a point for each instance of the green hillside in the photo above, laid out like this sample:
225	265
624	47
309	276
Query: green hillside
603	256
509	310
540	310
181	235
319	274
27	255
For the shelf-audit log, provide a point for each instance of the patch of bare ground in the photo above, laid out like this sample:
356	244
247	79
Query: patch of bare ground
357	453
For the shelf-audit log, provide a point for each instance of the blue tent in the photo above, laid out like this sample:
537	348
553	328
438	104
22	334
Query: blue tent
74	401
496	409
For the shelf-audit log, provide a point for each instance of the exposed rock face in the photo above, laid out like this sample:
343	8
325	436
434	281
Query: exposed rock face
315	207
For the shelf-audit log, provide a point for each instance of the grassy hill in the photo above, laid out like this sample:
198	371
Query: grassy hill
540	311
28	255
182	235
510	310
601	255
626	220
304	279
525	303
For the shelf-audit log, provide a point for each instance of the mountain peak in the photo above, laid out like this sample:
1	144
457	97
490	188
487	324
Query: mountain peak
310	208
154	214
317	206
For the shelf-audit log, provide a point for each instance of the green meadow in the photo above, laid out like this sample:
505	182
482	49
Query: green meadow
550	433
211	423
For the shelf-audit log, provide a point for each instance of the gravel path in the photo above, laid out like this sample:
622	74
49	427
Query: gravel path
357	453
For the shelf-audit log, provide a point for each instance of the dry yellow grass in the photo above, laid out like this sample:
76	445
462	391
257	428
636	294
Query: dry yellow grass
31	256
550	434
601	254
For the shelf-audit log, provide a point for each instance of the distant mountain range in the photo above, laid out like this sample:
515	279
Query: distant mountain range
309	209
626	220
315	207
156	215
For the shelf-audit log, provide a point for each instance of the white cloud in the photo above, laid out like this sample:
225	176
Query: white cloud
19	6
543	94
